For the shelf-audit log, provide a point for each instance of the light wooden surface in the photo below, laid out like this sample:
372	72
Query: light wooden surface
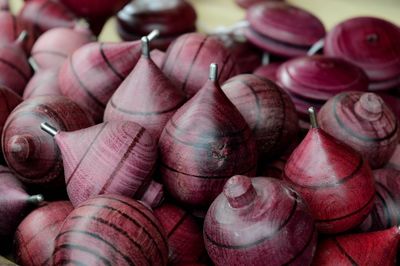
213	13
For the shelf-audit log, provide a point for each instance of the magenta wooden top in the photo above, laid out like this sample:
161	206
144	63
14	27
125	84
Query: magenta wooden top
286	23
320	78
371	43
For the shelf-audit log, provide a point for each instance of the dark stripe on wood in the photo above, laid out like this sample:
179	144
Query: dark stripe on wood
126	111
348	215
374	213
353	133
15	68
196	55
308	243
98	237
208	177
95	254
123	160
176	226
69	262
68	180
83	86
144	214
110	66
168	54
344	252
56	53
391	196
224	63
249	245
334	184
258	102
113	226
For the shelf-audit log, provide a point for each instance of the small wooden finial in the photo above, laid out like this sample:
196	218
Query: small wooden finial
313	117
46	127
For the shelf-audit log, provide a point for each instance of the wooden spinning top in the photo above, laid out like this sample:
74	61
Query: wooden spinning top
364	122
204	143
115	157
259	221
335	180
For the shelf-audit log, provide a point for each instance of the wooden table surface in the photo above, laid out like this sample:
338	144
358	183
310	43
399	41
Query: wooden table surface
213	13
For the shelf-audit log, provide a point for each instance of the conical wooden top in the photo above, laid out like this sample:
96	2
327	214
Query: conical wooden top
376	248
333	178
146	97
203	144
115	157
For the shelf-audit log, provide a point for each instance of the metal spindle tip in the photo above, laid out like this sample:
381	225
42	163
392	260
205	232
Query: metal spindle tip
46	127
213	72
154	34
313	117
33	64
36	199
145	46
22	37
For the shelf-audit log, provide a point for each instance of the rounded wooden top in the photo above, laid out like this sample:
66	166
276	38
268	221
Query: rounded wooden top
371	43
286	23
320	77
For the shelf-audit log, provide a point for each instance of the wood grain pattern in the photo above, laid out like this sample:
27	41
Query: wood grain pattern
185	238
363	121
15	203
283	29
371	43
172	18
35	236
190	56
259	221
335	181
268	71
375	248
15	71
204	143
268	111
92	74
146	97
38	16
123	153
54	46
320	77
32	153
386	211
111	230
43	83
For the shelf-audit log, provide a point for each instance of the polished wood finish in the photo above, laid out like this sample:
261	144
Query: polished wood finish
268	71
15	203
375	248
386	211
259	221
185	237
371	43
282	29
34	240
172	18
268	111
32	153
9	27
146	97
115	157
43	83
92	74
111	230
320	77
335	180
204	143
363	121
189	57
54	46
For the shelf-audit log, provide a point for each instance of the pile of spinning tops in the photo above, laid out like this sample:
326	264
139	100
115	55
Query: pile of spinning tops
175	147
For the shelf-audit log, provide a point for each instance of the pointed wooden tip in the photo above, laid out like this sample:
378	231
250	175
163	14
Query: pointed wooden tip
36	199
152	35
145	46
313	117
213	72
46	127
